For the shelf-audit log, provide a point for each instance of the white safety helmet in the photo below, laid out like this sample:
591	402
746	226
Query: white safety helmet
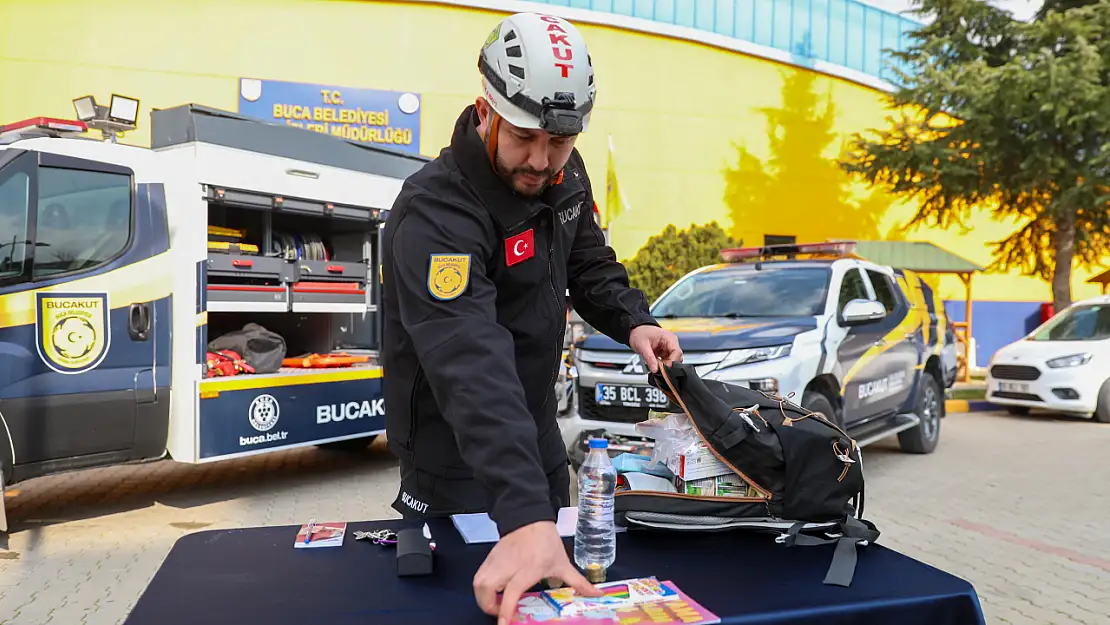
537	73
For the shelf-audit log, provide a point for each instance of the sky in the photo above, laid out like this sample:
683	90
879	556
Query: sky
1021	9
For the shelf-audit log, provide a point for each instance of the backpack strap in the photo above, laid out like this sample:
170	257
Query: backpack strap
853	531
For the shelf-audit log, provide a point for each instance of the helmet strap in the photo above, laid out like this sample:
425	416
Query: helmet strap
491	136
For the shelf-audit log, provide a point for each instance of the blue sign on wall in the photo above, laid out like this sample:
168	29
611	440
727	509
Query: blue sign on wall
251	419
389	119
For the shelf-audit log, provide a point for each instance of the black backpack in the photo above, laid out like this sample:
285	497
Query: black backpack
262	349
804	474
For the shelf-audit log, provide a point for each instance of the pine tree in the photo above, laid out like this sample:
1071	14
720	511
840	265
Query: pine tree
1009	117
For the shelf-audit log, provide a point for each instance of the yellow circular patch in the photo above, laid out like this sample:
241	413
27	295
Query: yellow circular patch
448	275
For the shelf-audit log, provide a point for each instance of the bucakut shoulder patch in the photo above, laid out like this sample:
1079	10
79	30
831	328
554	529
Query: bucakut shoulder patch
448	275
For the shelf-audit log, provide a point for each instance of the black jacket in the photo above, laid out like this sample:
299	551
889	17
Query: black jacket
471	343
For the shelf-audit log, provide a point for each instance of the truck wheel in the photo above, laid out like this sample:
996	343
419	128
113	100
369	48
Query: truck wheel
816	401
1102	411
923	439
351	444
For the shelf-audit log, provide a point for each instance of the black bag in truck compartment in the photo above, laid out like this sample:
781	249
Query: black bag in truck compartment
260	348
796	473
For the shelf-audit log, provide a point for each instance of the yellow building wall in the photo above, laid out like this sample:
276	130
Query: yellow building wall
752	142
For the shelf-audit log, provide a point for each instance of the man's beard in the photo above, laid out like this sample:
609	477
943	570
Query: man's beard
507	174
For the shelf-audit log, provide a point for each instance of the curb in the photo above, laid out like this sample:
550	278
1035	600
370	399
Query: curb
964	405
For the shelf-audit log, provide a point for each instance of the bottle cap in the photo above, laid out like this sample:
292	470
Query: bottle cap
599	443
595	573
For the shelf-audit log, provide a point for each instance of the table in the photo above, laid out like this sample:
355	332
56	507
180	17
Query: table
254	575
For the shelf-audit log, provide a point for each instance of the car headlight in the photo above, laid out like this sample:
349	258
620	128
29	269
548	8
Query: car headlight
755	354
1072	360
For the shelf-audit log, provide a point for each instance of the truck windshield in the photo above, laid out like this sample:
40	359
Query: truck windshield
1081	323
769	292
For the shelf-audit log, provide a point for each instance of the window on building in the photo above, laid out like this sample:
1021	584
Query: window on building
884	290
852	287
84	220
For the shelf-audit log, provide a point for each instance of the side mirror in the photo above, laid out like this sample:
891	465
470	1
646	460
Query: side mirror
861	311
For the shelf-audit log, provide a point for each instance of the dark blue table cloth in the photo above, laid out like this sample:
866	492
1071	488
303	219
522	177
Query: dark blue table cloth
244	576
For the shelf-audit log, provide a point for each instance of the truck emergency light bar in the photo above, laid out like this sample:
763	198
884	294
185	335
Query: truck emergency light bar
42	127
830	249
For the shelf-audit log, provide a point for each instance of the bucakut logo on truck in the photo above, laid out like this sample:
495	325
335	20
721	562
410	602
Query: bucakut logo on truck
334	413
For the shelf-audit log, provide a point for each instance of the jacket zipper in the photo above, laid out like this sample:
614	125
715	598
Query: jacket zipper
558	307
412	409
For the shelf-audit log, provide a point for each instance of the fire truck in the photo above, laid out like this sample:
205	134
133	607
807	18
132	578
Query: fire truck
122	269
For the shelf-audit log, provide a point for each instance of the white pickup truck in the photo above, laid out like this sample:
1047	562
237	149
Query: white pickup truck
868	346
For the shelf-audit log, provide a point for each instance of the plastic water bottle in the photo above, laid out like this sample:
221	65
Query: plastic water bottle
595	538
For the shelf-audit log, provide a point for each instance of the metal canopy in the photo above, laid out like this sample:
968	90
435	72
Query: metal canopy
919	256
194	122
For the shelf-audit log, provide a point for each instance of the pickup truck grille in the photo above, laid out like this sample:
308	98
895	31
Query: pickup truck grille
618	414
1015	372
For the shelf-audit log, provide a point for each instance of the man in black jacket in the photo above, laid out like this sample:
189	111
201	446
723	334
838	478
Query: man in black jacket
480	249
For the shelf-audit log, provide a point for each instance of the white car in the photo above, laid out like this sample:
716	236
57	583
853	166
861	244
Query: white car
1062	366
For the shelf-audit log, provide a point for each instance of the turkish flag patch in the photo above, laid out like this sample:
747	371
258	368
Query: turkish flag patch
519	248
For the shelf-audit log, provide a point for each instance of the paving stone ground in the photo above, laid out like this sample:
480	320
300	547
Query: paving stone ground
1019	506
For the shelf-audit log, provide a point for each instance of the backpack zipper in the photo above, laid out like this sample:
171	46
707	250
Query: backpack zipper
663	493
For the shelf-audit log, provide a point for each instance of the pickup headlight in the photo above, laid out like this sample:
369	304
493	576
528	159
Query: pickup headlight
1072	360
755	354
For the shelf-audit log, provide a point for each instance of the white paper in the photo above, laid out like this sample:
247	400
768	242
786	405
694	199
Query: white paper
643	481
479	528
475	528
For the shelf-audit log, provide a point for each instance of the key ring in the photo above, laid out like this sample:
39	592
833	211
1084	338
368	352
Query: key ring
378	537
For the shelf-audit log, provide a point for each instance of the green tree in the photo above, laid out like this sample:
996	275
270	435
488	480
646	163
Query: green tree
1061	5
673	253
1006	116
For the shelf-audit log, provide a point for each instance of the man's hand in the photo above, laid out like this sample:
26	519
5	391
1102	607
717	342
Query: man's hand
519	561
653	343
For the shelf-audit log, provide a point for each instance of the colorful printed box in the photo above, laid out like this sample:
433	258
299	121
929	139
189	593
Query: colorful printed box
698	464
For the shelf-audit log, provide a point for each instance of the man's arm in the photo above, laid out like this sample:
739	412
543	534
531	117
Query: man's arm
447	304
599	288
